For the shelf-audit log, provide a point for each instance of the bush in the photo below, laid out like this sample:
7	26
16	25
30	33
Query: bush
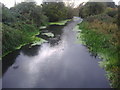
101	17
57	11
112	12
13	38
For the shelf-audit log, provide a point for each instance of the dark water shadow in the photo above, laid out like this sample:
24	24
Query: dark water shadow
8	60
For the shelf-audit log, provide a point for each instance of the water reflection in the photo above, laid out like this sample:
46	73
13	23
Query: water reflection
64	65
32	51
31	68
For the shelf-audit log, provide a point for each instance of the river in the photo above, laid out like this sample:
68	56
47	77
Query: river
60	62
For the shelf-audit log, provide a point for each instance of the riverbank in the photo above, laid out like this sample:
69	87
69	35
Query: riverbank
16	38
100	44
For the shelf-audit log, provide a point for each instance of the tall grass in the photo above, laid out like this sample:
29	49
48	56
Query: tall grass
100	38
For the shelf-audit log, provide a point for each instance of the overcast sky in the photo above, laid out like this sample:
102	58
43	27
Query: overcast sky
10	3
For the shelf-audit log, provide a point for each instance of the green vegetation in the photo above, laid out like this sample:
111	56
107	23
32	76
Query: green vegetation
14	38
38	42
22	22
59	22
96	8
91	8
57	11
49	34
99	32
101	44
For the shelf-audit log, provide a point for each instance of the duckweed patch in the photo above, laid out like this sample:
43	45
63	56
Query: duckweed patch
60	22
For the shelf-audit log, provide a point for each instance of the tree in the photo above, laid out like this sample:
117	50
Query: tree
70	12
110	4
91	8
55	11
7	16
30	13
24	10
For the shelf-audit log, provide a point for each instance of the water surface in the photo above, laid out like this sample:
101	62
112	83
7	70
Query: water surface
59	63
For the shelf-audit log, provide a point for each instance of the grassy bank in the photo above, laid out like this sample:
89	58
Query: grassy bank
22	34
100	41
22	22
15	38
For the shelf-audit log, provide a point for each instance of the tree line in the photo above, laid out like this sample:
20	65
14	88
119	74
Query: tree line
31	13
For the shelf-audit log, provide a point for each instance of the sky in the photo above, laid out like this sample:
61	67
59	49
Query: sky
11	3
